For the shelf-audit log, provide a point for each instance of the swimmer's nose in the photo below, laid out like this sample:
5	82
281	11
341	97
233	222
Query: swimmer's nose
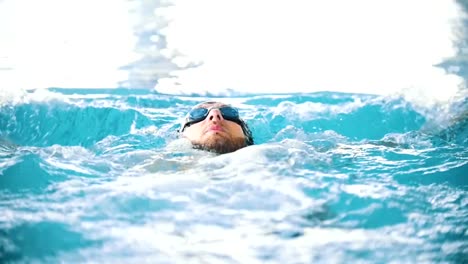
215	115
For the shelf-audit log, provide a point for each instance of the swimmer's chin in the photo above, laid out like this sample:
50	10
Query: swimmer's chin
215	135
220	145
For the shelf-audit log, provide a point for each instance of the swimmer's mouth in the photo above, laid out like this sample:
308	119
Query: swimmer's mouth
215	128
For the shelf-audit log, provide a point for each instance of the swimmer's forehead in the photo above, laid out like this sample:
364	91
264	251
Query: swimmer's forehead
210	104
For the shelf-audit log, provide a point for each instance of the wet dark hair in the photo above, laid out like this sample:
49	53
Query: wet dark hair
247	132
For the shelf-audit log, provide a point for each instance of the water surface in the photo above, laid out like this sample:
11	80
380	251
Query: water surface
102	176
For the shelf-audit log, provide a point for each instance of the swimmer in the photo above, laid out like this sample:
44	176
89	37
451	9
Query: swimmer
216	127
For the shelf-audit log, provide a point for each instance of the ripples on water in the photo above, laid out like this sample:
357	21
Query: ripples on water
100	176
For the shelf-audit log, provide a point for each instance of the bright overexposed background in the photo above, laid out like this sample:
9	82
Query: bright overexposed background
63	43
246	46
353	46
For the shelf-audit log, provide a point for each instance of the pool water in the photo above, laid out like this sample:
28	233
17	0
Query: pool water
101	176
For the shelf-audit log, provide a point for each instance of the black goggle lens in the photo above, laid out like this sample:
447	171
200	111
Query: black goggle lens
199	114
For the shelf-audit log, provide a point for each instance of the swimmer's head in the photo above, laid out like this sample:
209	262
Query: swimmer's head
217	127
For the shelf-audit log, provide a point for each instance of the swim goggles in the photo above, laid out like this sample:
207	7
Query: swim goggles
199	114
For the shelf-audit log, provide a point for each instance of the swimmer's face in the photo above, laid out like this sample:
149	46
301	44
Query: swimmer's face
215	132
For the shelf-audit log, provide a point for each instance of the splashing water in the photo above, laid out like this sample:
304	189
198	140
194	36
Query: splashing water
98	175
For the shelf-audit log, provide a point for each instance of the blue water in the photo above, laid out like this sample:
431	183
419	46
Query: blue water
99	176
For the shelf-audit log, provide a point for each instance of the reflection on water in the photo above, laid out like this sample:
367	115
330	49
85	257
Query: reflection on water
459	63
152	65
